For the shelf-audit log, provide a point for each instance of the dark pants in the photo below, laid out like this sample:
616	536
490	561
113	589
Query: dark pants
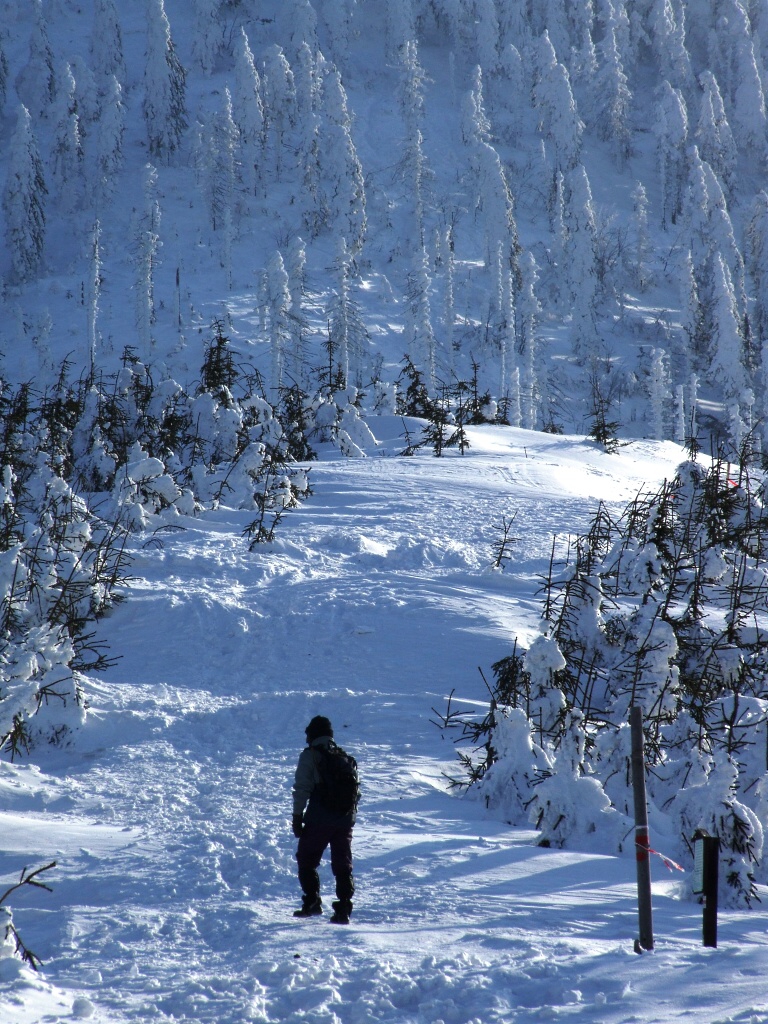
312	845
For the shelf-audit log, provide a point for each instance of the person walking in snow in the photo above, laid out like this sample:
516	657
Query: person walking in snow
325	797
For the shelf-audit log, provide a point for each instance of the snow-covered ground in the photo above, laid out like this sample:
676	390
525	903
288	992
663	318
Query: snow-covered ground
169	816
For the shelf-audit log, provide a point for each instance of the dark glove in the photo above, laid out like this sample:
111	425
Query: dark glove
297	824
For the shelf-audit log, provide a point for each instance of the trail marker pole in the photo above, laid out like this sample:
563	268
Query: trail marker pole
706	851
642	856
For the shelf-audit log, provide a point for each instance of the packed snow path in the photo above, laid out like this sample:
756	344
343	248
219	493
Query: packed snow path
175	885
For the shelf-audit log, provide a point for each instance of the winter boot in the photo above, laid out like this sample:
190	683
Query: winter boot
311	906
341	911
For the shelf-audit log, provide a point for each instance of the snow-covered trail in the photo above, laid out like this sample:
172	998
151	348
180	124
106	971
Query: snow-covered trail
175	885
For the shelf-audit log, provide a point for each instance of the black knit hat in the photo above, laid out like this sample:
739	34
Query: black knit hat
319	726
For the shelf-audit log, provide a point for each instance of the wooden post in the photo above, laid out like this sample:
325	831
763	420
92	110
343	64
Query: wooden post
642	856
706	861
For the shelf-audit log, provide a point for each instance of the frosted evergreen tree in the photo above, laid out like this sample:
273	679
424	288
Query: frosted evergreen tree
727	368
638	249
164	105
514	26
581	262
278	302
337	16
612	98
309	99
400	26
554	18
713	133
419	334
295	263
513	95
108	147
757	264
413	166
207	33
106	47
559	120
348	335
3	74
92	293
486	33
36	82
222	163
475	125
749	115
145	258
279	95
671	140
67	149
248	112
24	200
299	26
680	428
87	99
341	182
582	62
449	295
691	314
667	22
528	315
711	229
659	394
514	399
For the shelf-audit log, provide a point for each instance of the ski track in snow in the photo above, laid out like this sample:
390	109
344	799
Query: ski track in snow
175	885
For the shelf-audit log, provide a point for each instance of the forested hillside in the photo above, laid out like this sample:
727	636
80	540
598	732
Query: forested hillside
563	202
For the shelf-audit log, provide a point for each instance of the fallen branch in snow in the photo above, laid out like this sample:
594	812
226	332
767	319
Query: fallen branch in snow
27	878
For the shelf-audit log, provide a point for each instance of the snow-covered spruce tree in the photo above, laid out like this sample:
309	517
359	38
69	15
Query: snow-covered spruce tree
107	150
419	333
492	196
581	262
671	127
637	252
278	302
67	149
714	137
106	44
36	82
341	185
164	104
220	179
667	38
299	26
535	385
559	120
92	293
400	27
347	329
413	167
3	75
207	33
144	256
279	99
248	112
612	98
727	367
24	200
337	16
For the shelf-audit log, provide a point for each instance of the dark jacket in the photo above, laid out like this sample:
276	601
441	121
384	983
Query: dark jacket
307	778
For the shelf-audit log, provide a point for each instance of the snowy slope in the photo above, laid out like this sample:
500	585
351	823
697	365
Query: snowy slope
169	818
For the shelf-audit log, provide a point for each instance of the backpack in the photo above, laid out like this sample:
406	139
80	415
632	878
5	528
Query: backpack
339	787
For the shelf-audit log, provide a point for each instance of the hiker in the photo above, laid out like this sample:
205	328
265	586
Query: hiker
325	796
